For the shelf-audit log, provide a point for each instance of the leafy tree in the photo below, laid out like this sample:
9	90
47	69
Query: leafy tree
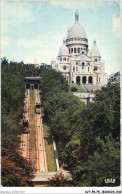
15	170
86	136
60	180
4	61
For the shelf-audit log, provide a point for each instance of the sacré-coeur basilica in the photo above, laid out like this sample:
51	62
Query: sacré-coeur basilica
78	64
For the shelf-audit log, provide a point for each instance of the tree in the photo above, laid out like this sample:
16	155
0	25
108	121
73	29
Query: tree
60	180
15	170
86	136
4	61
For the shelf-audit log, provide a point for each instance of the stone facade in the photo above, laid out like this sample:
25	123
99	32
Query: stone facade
85	97
114	78
76	63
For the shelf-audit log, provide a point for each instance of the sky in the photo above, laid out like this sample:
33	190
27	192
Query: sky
35	29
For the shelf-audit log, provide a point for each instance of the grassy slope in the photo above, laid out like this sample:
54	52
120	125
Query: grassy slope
79	88
49	149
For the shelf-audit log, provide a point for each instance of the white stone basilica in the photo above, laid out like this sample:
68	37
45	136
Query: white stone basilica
76	63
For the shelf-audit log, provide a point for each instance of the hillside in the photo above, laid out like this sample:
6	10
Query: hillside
87	136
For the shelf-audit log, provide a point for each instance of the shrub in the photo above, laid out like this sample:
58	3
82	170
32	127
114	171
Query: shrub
73	89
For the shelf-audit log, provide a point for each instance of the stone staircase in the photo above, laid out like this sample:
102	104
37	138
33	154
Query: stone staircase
91	87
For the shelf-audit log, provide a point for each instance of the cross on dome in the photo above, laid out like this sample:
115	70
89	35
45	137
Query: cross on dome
94	42
76	16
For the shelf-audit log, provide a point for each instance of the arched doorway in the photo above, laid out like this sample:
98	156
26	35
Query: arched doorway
90	80
36	86
78	80
27	86
84	79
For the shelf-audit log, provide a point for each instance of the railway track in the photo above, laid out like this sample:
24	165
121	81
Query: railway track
25	137
41	163
40	147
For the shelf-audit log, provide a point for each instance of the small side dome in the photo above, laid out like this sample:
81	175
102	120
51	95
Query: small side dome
63	50
94	52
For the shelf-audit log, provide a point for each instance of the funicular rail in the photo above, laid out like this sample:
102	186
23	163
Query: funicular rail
40	147
25	137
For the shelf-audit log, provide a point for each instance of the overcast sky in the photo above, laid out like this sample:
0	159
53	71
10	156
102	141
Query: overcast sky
35	29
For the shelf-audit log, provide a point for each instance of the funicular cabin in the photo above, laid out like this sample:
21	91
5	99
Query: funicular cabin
38	108
26	125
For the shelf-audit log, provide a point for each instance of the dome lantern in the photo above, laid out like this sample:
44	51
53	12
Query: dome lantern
76	16
94	42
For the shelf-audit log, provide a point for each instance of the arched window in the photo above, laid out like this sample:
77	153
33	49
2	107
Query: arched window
69	50
90	79
83	65
78	80
81	48
78	50
74	50
83	52
84	79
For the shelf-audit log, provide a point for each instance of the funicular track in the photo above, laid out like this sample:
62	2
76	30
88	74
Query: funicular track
25	136
32	138
41	164
40	147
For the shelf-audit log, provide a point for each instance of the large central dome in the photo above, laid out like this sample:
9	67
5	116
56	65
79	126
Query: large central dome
76	31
